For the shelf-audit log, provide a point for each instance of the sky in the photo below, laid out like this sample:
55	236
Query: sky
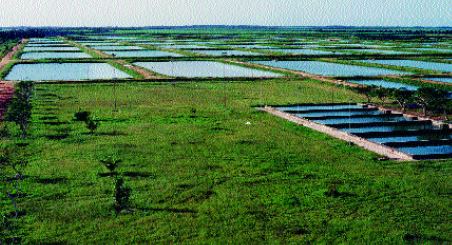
225	12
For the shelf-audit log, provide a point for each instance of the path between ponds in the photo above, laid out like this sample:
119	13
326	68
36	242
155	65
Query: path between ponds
8	57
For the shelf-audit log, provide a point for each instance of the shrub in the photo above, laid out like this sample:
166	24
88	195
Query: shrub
122	195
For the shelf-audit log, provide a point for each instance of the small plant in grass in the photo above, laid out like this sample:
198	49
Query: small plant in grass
111	163
85	116
82	116
122	196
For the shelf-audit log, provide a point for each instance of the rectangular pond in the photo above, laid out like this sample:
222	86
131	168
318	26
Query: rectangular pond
373	51
49	49
414	63
117	47
53	55
226	53
440	79
203	69
302	51
64	72
384	84
420	139
143	53
330	69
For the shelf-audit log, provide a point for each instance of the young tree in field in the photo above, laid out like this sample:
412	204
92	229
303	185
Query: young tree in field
366	91
431	99
382	94
403	97
122	195
19	110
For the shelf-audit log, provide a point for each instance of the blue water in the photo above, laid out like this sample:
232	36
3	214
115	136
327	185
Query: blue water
143	53
53	55
226	52
31	49
203	69
183	46
410	138
330	69
302	51
439	50
414	63
64	72
338	113
90	44
385	84
117	47
388	128
362	120
318	107
427	150
374	51
440	79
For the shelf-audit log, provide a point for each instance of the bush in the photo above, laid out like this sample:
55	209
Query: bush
82	116
122	195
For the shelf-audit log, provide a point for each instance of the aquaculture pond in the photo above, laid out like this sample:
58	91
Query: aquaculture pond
143	53
49	49
226	53
373	51
53	55
384	84
419	138
183	47
440	79
436	50
302	51
414	63
330	69
117	47
203	69
64	72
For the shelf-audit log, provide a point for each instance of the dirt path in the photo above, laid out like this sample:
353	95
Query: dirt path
8	57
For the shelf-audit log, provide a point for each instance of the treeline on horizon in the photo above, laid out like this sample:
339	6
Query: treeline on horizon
380	33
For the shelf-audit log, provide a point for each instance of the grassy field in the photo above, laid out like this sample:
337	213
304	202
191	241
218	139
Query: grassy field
200	173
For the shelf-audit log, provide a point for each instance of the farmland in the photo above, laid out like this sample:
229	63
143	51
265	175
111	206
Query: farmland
203	164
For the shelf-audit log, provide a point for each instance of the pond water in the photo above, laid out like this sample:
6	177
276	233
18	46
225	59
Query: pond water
318	107
226	52
414	63
427	150
53	55
64	72
183	47
389	128
411	138
440	79
302	51
117	47
438	50
330	69
385	84
369	119
143	53
90	44
203	69
374	51
31	49
338	113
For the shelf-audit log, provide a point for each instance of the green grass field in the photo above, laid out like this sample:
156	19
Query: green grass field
200	173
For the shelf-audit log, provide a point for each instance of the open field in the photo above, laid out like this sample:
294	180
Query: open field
203	165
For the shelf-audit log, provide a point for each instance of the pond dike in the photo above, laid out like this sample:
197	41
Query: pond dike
388	133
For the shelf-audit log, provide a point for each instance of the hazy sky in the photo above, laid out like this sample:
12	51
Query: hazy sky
228	12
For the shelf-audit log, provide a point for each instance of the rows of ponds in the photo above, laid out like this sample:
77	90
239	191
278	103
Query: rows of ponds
420	138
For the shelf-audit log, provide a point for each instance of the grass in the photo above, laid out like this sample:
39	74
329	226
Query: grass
200	174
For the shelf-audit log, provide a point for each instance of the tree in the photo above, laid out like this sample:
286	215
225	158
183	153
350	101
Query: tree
403	97
367	91
431	99
382	94
122	195
19	111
